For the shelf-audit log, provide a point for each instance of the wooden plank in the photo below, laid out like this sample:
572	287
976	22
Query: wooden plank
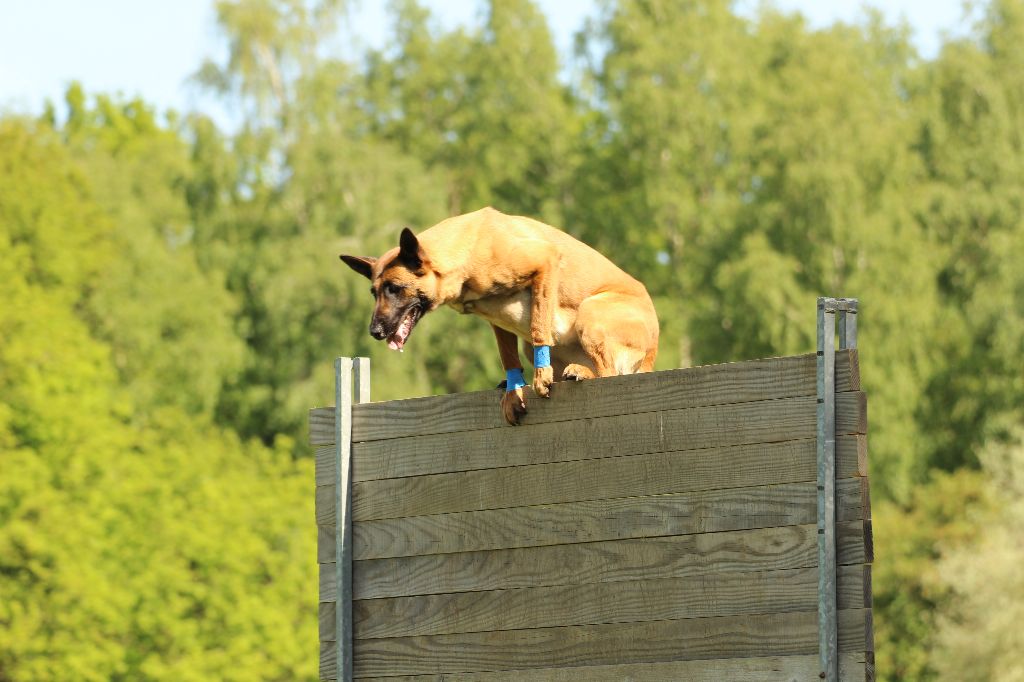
323	459
593	520
326	544
648	558
851	453
594	603
695	386
869	541
327	617
778	634
634	475
683	429
632	559
328	590
321	426
865	494
852	461
756	669
328	660
325	504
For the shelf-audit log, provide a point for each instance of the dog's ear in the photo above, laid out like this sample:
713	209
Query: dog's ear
361	264
409	250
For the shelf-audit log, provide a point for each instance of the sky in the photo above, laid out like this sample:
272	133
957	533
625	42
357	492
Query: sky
149	48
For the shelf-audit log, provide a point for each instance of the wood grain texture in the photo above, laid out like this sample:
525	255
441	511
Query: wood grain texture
593	520
684	555
323	459
321	426
650	474
579	480
758	669
649	558
682	429
695	386
326	544
851	452
589	604
778	634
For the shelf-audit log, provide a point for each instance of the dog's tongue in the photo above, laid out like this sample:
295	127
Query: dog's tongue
397	341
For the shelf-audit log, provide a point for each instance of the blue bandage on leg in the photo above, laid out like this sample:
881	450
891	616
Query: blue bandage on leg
541	356
514	379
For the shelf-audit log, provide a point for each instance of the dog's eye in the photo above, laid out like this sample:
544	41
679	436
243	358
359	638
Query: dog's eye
391	288
373	292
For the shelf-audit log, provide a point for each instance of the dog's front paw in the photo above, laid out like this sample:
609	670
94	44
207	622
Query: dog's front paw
513	405
543	377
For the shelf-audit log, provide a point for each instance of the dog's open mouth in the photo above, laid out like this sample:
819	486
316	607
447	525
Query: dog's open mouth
397	340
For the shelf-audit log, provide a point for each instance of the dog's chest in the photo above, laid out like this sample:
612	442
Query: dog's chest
508	311
512	312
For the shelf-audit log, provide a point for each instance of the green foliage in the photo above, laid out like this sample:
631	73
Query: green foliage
979	634
172	294
908	581
135	543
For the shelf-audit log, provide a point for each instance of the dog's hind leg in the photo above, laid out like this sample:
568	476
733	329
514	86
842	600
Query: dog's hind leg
619	333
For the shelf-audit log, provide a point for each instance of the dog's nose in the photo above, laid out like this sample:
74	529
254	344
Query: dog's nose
377	330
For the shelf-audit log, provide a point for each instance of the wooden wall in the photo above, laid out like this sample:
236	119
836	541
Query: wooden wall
649	527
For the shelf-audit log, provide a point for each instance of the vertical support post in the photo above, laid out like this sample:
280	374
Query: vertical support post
828	632
848	323
361	372
343	507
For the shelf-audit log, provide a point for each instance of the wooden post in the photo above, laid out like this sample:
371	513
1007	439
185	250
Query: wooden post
343	511
828	632
361	372
847	322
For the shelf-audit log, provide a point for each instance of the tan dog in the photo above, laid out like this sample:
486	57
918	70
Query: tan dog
529	280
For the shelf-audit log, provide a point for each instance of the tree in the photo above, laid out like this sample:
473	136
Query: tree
485	106
978	634
136	542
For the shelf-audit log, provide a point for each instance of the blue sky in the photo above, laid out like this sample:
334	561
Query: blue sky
147	48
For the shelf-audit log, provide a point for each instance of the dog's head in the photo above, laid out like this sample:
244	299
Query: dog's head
404	286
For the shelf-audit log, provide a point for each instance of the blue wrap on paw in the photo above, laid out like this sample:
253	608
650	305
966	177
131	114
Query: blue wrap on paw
541	356
514	379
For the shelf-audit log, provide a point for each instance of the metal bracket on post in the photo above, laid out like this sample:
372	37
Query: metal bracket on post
345	369
828	626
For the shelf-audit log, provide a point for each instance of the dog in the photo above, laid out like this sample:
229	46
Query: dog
582	315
